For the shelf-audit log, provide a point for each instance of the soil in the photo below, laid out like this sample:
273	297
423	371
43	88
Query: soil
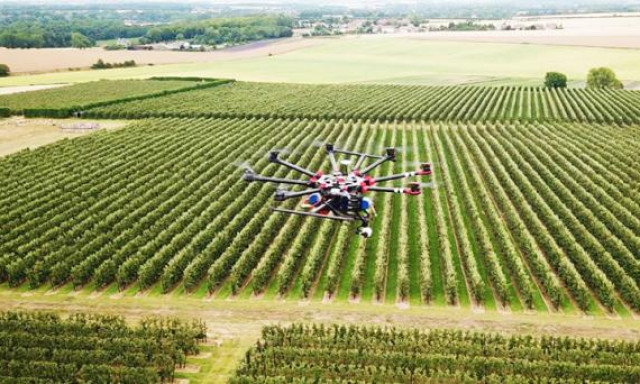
18	133
23	61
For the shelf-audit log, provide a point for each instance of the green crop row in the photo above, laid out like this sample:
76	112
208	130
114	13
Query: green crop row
525	215
337	354
43	347
69	100
389	103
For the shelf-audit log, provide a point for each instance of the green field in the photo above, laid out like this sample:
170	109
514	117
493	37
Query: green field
386	102
88	93
62	101
177	222
531	223
39	347
303	353
398	60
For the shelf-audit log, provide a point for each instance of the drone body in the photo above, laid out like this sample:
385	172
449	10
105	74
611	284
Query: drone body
340	194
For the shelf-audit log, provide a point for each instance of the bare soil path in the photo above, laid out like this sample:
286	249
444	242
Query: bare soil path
18	133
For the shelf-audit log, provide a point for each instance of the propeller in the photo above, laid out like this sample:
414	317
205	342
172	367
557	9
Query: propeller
244	165
429	185
284	150
284	187
318	143
380	149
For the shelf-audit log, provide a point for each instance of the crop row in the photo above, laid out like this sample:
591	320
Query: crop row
310	353
516	214
42	347
63	101
389	102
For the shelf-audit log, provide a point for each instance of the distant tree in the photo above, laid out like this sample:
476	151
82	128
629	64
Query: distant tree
4	70
600	78
100	64
78	40
555	80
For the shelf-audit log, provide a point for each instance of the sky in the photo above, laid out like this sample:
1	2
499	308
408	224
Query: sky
344	2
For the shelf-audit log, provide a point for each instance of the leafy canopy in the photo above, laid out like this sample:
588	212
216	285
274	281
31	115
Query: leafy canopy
555	80
4	70
601	78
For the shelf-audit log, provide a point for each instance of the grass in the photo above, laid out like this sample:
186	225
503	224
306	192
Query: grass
381	59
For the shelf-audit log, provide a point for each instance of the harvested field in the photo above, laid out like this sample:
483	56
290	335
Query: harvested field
62	59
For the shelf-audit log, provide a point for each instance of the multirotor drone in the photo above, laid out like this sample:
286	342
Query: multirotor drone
340	195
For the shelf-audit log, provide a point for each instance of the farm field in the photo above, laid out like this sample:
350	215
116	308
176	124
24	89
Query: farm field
43	347
42	60
382	59
386	102
530	225
182	220
233	326
93	94
374	354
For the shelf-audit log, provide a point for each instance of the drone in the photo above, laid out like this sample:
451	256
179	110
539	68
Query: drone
340	195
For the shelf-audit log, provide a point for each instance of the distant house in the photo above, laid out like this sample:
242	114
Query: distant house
141	47
122	42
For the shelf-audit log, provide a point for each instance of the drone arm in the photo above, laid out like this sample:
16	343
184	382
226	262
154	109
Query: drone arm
374	165
394	177
359	162
313	214
332	159
273	157
353	153
414	189
398	176
425	169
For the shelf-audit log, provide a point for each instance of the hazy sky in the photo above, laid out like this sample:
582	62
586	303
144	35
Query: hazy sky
343	2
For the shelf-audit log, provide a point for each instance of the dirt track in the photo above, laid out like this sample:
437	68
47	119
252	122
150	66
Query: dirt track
242	319
18	133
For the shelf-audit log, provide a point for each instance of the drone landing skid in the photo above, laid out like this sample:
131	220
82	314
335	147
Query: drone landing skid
364	230
329	216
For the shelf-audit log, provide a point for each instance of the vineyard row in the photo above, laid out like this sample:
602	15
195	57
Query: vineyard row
388	103
519	216
341	354
39	347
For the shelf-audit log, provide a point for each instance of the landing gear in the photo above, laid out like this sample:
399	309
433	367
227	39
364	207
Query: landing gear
365	232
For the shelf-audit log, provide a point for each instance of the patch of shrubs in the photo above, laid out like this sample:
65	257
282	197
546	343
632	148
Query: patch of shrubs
100	64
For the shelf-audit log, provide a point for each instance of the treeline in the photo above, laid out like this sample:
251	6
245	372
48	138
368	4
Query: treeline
43	347
226	30
47	30
340	354
52	31
468	25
